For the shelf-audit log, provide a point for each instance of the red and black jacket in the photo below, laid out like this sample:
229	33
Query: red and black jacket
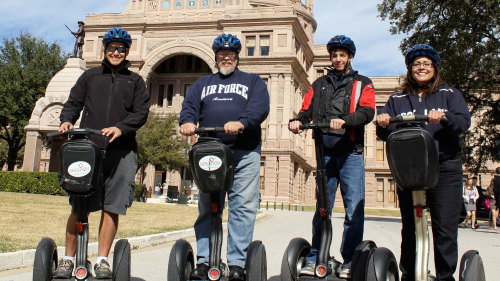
351	98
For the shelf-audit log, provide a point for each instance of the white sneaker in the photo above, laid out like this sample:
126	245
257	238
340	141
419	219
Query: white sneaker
308	269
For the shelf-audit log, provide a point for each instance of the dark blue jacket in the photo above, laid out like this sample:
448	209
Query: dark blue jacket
217	99
444	99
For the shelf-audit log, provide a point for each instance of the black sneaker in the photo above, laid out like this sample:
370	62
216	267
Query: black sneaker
102	270
64	269
200	272
236	273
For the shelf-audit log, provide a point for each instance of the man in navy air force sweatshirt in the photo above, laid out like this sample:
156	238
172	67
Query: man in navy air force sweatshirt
236	101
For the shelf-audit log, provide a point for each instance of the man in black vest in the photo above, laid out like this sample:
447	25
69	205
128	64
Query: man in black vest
346	100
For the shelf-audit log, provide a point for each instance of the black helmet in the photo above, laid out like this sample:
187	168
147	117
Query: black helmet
421	50
226	42
117	35
341	41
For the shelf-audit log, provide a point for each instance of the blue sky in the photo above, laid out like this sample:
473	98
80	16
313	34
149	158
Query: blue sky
377	54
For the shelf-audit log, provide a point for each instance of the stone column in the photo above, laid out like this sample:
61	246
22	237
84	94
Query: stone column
33	151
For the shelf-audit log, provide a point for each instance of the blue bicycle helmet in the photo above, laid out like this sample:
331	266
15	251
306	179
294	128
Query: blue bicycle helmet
421	50
341	41
226	42
117	35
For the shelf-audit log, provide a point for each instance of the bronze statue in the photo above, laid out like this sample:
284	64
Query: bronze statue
80	36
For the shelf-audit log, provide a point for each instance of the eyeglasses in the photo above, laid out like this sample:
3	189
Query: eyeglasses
112	49
224	55
424	65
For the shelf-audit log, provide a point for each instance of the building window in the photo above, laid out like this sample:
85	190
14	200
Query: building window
320	73
392	191
161	95
264	45
250	46
380	190
380	150
186	89
170	94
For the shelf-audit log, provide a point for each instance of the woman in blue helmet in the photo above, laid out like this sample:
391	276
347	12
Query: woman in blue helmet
235	100
425	93
114	100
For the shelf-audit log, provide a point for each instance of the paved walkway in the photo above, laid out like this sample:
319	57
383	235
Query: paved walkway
279	227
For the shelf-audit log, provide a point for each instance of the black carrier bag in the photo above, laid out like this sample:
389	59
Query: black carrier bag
80	166
212	165
413	159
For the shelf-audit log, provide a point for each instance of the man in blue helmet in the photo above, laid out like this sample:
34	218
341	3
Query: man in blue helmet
236	101
346	100
115	101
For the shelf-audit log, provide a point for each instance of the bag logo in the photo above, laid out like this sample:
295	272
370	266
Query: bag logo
79	169
210	163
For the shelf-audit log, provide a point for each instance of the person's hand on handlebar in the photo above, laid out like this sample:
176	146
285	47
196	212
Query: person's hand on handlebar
383	120
64	127
294	127
336	124
435	116
187	129
233	127
114	132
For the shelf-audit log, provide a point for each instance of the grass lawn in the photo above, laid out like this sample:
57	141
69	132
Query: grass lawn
26	218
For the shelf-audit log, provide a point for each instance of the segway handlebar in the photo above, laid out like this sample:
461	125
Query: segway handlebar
314	126
408	118
76	131
209	130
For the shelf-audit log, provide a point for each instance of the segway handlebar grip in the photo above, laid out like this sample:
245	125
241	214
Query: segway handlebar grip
314	126
409	118
76	131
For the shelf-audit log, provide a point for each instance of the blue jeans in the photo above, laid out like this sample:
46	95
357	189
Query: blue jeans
243	200
348	169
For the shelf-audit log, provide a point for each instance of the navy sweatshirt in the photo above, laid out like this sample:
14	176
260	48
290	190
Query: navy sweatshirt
217	99
444	99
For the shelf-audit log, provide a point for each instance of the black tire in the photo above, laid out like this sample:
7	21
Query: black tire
471	267
180	261
45	260
382	266
256	263
360	259
294	254
121	261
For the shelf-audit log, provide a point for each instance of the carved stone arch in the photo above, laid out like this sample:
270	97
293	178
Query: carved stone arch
170	49
46	112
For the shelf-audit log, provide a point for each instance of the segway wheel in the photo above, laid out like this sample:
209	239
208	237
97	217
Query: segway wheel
382	266
180	261
45	260
121	261
360	259
294	259
256	263
471	267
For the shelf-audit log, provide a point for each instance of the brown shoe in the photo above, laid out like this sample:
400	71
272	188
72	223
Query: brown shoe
64	269
102	270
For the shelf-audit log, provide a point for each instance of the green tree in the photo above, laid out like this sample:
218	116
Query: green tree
159	144
26	66
466	35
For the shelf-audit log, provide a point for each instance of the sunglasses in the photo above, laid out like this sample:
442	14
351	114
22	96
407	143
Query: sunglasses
112	49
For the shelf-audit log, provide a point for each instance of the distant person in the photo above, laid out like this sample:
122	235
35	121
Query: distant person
157	190
425	93
496	188
490	195
470	196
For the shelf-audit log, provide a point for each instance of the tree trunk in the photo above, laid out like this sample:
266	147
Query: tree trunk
12	157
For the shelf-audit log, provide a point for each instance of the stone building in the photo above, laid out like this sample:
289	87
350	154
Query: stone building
172	48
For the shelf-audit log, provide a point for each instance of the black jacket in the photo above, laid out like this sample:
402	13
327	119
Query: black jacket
351	98
108	99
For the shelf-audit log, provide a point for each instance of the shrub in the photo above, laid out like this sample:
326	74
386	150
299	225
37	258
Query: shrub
137	191
30	182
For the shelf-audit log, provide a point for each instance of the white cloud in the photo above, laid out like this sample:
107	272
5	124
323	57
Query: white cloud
377	50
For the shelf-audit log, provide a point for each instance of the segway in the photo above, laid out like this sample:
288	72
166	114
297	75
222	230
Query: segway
211	163
413	149
80	172
369	262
